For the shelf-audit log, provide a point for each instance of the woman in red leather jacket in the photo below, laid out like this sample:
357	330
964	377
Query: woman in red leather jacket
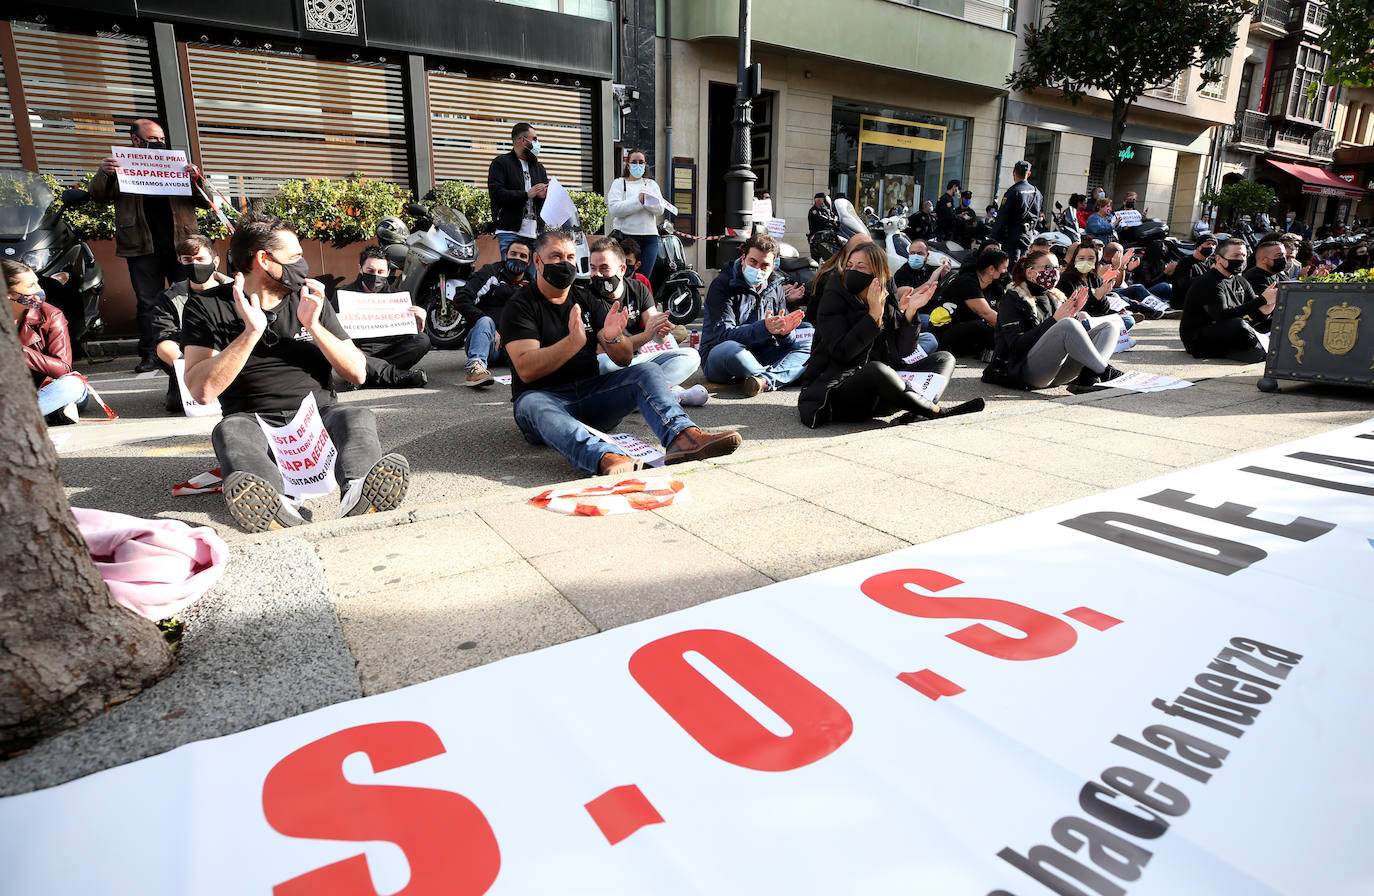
46	343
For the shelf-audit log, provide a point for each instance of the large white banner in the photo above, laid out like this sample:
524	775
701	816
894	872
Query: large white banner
1163	689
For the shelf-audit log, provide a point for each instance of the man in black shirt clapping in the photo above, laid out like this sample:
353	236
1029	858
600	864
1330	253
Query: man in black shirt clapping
1213	323
262	345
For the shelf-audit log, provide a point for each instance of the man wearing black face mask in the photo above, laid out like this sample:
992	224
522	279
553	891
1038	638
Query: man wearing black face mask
261	345
147	229
646	325
391	360
1190	268
1213	323
552	328
1269	268
481	301
199	272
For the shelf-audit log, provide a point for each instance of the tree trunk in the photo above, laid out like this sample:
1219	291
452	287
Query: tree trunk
67	650
1119	112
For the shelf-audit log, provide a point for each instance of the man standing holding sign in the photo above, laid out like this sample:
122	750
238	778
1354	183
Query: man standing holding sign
391	359
262	345
147	230
552	329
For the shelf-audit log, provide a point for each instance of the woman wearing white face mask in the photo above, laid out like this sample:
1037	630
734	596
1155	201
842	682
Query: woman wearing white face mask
636	207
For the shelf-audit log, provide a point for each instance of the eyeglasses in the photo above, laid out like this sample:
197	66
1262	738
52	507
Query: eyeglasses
269	335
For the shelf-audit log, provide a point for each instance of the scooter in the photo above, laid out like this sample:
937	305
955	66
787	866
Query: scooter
435	260
33	231
677	288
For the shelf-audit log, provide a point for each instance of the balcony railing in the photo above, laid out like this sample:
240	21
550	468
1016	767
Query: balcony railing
1273	16
1323	145
1252	129
1173	91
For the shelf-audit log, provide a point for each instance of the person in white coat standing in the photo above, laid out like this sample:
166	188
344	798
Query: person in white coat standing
636	206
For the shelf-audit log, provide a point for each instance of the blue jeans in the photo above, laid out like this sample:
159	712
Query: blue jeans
648	252
928	343
61	392
480	338
677	364
731	362
554	416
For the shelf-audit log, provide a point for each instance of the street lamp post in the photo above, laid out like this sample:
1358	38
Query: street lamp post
739	180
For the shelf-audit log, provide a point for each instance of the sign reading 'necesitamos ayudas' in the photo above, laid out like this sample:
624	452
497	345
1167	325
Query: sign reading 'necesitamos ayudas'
1159	690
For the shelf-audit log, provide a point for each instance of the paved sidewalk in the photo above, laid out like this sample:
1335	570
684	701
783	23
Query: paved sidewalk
468	573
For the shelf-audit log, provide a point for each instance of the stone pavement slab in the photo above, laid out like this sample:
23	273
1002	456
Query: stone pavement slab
407	634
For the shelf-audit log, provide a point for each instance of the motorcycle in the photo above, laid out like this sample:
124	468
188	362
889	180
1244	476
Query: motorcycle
435	260
677	288
33	230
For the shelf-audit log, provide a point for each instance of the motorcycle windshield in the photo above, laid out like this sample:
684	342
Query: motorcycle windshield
24	200
455	226
850	224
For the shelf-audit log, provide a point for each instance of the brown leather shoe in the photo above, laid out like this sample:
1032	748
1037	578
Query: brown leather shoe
618	465
694	443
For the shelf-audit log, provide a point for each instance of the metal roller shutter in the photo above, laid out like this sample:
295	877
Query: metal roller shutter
9	149
471	118
264	118
82	92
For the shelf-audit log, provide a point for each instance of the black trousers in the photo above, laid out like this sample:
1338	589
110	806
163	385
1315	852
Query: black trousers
390	356
966	338
150	275
875	390
1219	339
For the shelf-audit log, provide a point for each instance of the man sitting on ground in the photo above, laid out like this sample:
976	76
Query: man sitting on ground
391	360
1213	323
1268	267
645	324
552	328
1190	268
747	335
261	345
200	269
481	301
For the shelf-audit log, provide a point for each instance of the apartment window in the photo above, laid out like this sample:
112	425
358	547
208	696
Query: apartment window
1173	91
1291	85
1217	90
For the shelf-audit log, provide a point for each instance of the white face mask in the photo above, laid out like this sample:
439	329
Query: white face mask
1084	267
535	147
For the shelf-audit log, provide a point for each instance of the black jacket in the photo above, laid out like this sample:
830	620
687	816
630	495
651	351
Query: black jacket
945	218
1214	297
846	339
506	184
486	293
818	219
1188	270
1022	318
1021	207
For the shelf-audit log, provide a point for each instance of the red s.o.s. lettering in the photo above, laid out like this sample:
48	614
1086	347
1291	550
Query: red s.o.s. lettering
1044	634
819	724
446	839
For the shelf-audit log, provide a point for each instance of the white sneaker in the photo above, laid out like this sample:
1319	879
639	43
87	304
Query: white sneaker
383	488
694	397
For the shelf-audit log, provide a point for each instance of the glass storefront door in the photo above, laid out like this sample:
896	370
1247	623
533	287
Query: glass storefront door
893	158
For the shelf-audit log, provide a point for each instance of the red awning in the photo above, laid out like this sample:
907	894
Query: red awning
1318	181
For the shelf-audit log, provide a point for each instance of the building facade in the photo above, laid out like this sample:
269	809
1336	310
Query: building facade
883	107
409	91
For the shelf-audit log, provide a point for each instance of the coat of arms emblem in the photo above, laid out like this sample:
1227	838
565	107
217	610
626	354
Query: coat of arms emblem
1342	328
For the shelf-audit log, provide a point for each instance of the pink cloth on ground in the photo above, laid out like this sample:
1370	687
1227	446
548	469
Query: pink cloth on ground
154	567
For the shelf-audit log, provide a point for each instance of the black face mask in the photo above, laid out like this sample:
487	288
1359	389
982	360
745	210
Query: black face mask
605	287
293	275
373	282
560	274
1278	265
151	144
1234	265
514	268
198	273
1206	252
857	281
